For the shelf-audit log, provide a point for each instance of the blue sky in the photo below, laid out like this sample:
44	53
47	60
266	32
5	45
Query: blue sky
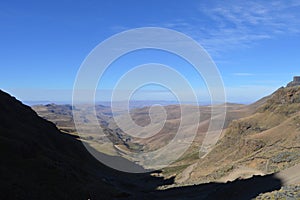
255	44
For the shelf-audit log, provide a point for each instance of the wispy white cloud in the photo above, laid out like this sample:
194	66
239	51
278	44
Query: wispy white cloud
235	24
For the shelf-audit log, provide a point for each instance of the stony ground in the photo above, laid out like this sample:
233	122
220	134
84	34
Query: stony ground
291	192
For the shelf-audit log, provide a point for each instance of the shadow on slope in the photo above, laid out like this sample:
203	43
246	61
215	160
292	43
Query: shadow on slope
239	189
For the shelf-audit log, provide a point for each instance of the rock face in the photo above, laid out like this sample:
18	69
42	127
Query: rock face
295	82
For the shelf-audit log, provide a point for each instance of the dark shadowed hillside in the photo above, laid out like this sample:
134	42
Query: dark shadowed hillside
40	162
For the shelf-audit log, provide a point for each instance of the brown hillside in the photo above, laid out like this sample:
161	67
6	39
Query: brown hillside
265	142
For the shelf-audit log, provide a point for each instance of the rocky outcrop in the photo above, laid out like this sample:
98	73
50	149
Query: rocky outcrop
295	82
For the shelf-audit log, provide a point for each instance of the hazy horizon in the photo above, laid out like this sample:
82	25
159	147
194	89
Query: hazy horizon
201	101
65	96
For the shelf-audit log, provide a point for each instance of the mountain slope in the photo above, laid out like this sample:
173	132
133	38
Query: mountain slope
264	142
40	162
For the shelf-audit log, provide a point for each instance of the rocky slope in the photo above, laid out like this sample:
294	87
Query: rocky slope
291	192
264	142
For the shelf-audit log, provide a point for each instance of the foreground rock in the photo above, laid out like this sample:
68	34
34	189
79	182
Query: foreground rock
290	192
